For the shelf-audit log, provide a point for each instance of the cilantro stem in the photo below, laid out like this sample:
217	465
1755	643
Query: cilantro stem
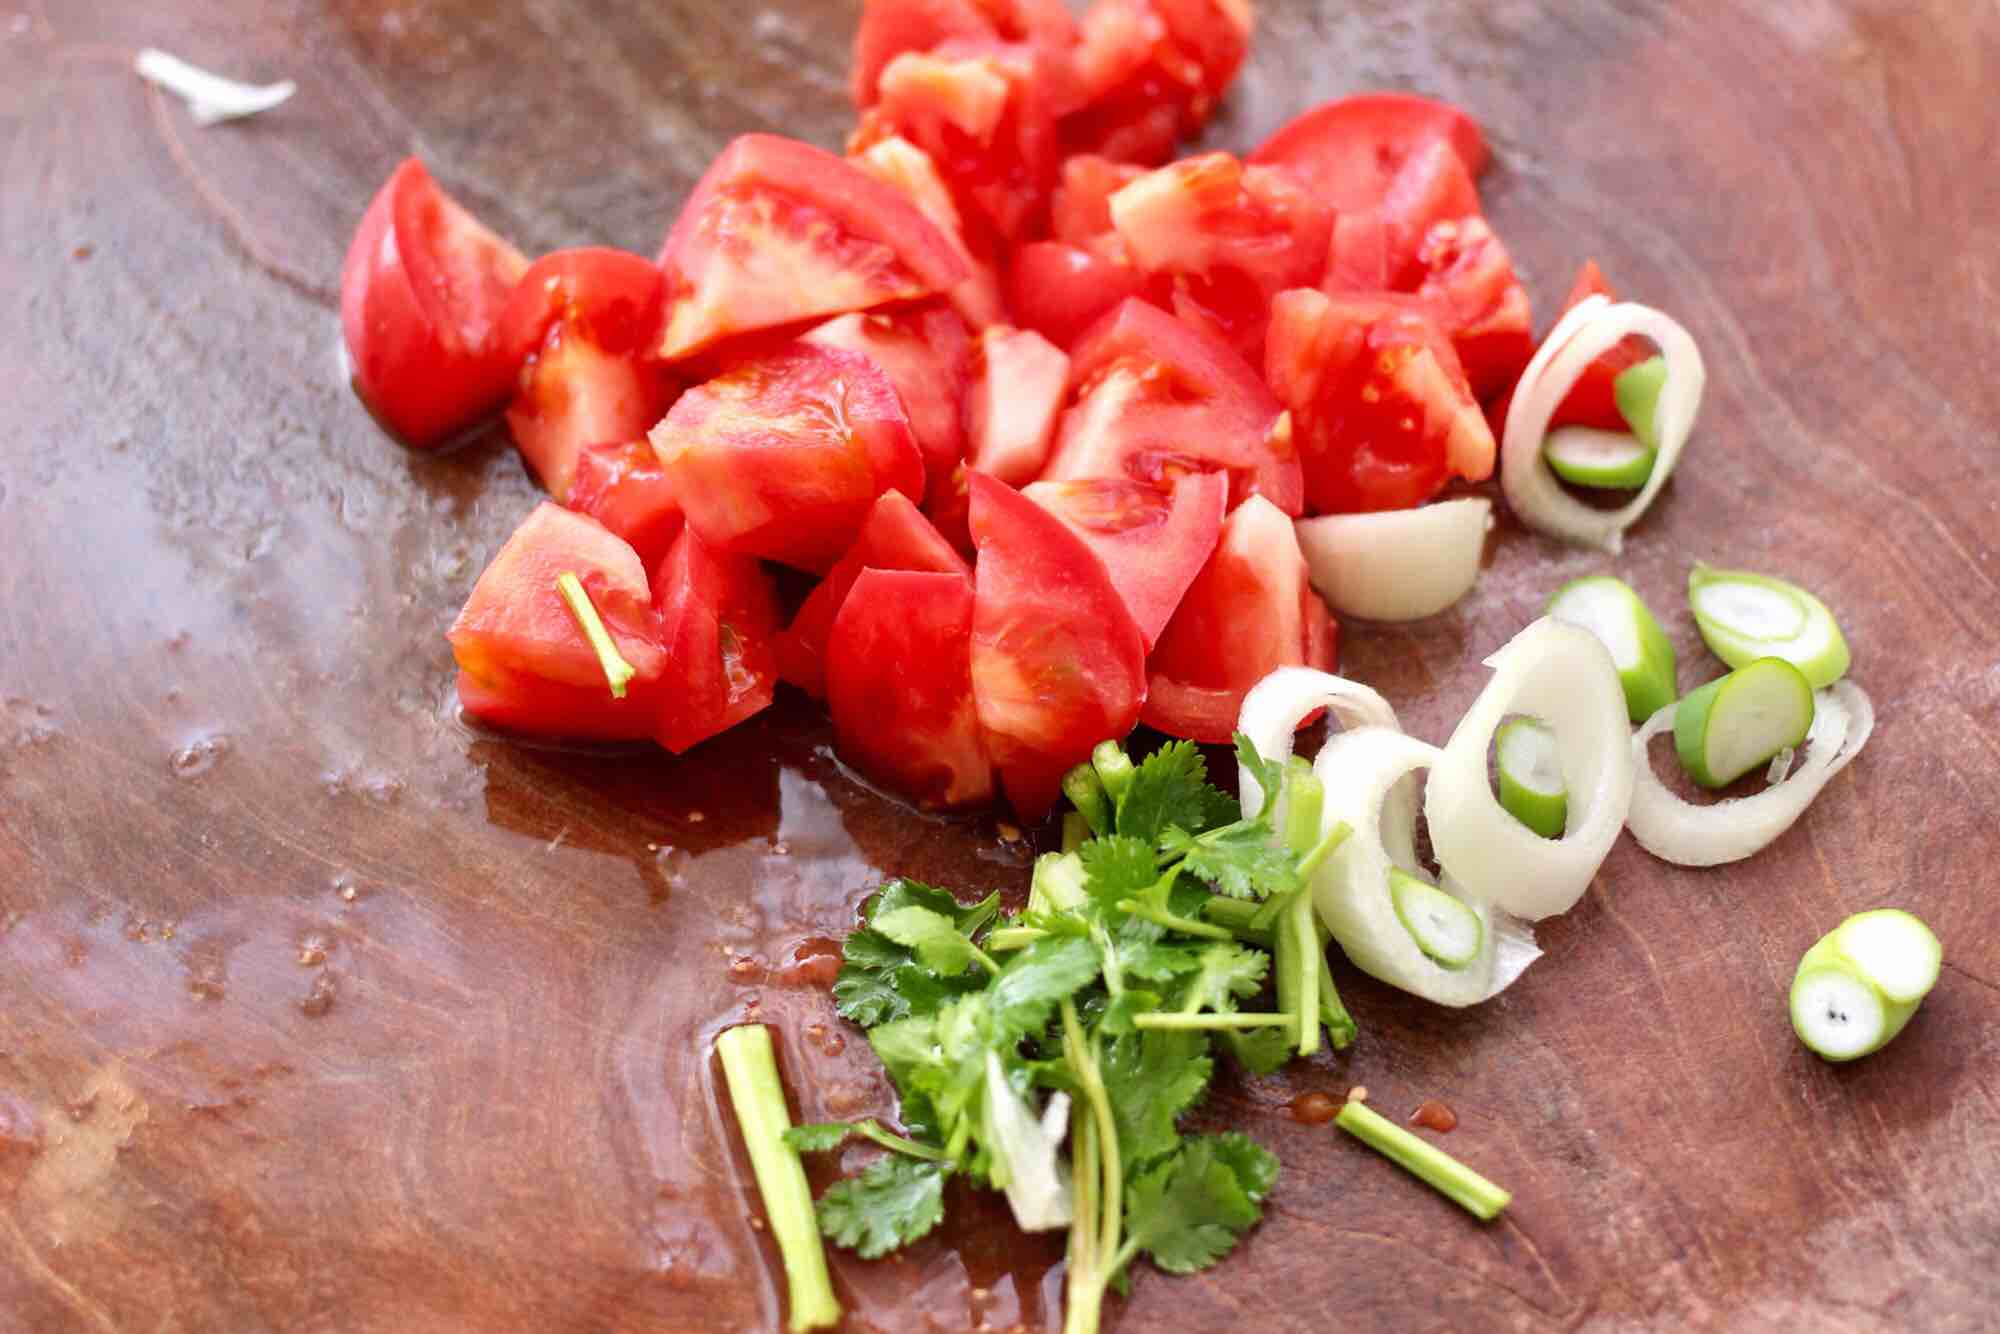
895	1143
1298	942
1239	918
1004	938
1084	1299
1340	1025
759	1102
1206	1020
1174	921
1082	1057
1334	838
617	671
1428	1163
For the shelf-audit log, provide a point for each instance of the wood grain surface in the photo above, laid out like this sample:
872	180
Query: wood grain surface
319	1012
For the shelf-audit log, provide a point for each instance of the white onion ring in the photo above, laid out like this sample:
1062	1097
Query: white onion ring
1564	676
1688	835
1397	565
1027	1145
1593	328
1275	707
1361	770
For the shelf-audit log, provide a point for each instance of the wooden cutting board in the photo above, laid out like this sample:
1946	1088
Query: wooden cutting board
318	1012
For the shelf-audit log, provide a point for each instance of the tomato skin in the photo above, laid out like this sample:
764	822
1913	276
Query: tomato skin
907	169
421	292
778	231
718	617
1057	662
1060	290
1153	397
624	488
782	456
1379	249
1016	394
1348	152
899	687
1593	400
1250	611
1470	288
927	355
524	662
1152	544
1151	71
896	537
1381	409
889	28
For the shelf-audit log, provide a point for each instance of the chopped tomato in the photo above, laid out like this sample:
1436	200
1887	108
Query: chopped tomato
1057	663
718	616
902	166
524	662
1016	394
1380	406
1151	71
421	295
1152	398
1152	544
1249	612
623	487
782	456
1226	238
1470	288
985	115
891	27
899	686
1348	152
1378	249
1081	208
582	326
1061	290
1592	401
778	231
927	355
895	537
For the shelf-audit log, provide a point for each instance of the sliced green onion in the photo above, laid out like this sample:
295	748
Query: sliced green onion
1609	460
759	1102
1085	791
1424	1161
617	671
1740	721
1859	984
1637	394
1744	617
1531	780
1114	768
1640	649
1444	929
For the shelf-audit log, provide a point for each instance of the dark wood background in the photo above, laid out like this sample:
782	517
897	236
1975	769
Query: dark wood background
318	1012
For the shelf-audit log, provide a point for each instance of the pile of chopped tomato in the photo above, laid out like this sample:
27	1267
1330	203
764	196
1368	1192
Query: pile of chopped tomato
1036	404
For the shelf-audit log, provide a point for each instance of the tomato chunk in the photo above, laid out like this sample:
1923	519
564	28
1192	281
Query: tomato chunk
1153	398
1011	408
1592	401
1380	407
1470	289
1081	208
582	326
1153	545
1060	290
524	662
421	295
778	231
718	617
623	487
927	355
1348	152
907	169
895	537
1378	249
782	456
1057	662
1249	612
1151	71
899	686
891	27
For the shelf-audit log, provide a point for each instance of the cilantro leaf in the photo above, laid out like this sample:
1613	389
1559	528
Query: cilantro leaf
1240	860
1270	774
1166	790
970	919
1117	1015
933	936
1117	867
1035	980
1188	1211
1225	972
1153	960
866	996
1151	1077
1218	808
819	1137
1261	1050
893	1202
903	892
1256	1167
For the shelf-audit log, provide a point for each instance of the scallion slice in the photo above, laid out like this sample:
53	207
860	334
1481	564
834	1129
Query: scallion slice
1607	460
1531	780
1740	721
1624	624
1859	984
1444	928
1744	617
1637	393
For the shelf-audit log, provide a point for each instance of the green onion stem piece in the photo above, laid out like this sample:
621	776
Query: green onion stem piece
617	671
759	1102
1425	1161
1531	781
1859	984
1114	769
1085	791
1636	391
1075	830
1736	723
1743	617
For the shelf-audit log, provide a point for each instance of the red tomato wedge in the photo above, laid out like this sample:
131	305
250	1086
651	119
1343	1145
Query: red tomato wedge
1153	398
778	231
1348	152
1377	249
1150	71
623	487
899	686
1016	394
582	326
1061	290
1226	239
524	662
782	456
1249	612
421	296
927	355
1592	401
1152	545
896	537
1380	407
907	169
891	27
1081	208
1057	663
718	617
1470	289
